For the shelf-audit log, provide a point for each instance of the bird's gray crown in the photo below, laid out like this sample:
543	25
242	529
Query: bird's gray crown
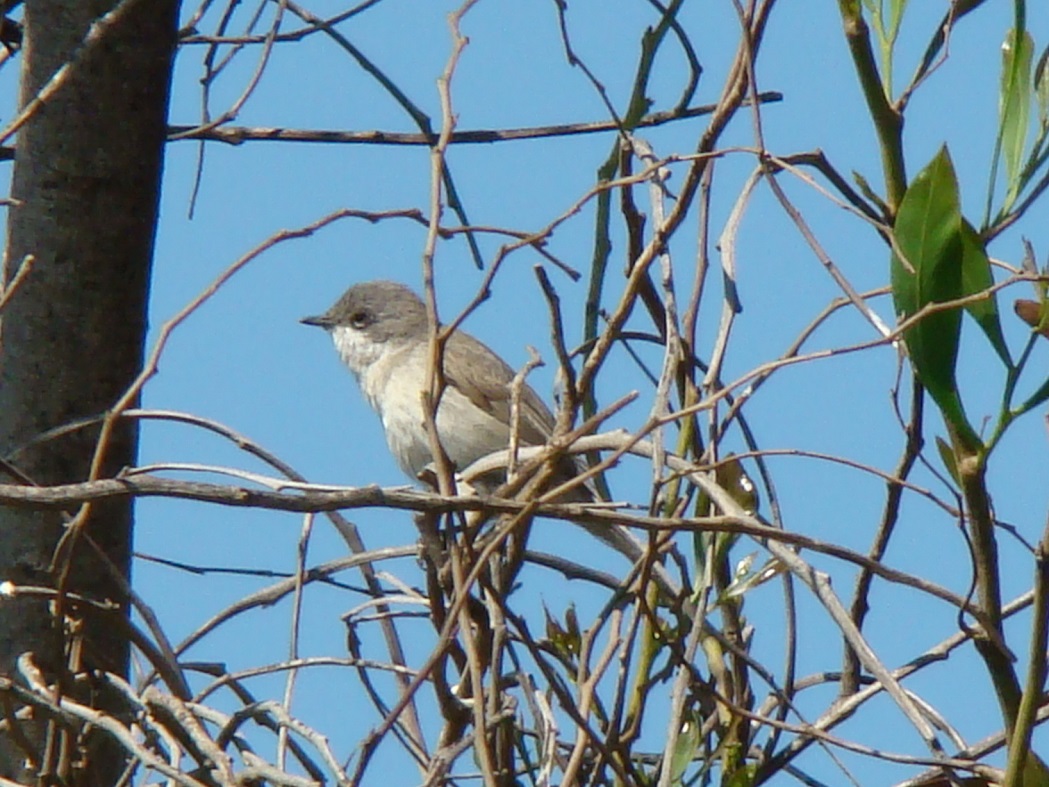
384	310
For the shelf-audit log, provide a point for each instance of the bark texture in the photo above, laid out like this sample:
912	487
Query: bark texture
87	180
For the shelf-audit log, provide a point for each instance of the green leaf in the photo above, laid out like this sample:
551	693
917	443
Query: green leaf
567	640
927	269
976	277
1014	106
743	776
732	477
896	10
947	457
746	580
1036	398
684	748
1041	87
869	193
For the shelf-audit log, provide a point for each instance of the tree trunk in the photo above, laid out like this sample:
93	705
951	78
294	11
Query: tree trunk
87	182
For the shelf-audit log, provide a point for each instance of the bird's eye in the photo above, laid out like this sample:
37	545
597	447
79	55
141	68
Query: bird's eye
359	319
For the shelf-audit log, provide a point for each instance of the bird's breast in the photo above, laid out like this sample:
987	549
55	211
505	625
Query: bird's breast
394	383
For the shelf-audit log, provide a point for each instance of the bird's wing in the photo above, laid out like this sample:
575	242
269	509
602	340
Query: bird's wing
489	385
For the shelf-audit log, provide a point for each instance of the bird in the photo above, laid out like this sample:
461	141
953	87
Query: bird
381	332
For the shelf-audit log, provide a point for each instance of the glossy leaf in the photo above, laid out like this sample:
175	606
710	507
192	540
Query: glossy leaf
976	277
928	234
1014	105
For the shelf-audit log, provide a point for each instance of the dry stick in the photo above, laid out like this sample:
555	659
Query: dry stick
270	595
732	96
327	498
516	385
546	723
319	741
151	726
564	361
301	663
587	681
795	347
811	734
538	238
895	487
295	630
891	338
890	478
443	760
419	117
95	35
159	656
672	355
192	37
475	673
212	72
1020	754
730	306
818	583
936	52
553	683
825	259
977	751
774	534
495	702
625	721
672	359
65	707
245	697
236	135
256	76
846	706
8	290
204	749
162	657
817	159
431	397
150	367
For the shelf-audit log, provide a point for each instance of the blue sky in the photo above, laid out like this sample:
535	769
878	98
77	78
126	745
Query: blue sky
244	360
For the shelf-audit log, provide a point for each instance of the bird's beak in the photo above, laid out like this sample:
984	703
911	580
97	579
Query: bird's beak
321	321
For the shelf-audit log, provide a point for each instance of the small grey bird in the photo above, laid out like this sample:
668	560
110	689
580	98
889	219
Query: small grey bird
380	331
